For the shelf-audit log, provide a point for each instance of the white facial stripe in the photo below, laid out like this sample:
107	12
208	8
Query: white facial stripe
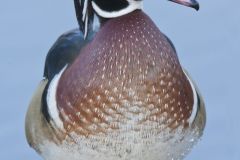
86	26
51	99
195	101
133	5
85	7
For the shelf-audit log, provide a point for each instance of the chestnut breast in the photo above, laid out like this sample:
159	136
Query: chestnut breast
128	76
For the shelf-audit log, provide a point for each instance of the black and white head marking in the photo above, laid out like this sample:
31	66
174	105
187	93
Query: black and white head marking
115	8
85	15
85	10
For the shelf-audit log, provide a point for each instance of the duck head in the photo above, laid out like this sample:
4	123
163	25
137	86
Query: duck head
85	9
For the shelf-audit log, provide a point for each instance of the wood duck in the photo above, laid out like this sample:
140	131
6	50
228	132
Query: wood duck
117	93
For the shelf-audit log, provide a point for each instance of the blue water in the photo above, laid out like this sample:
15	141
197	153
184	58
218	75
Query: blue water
208	44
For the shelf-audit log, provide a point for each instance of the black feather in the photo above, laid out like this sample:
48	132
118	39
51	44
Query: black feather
62	53
111	5
79	7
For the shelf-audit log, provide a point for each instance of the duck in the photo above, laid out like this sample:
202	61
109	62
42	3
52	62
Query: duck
118	92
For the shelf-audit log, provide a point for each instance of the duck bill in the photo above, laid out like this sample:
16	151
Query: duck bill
189	3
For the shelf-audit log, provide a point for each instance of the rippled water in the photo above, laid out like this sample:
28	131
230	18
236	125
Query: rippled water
208	46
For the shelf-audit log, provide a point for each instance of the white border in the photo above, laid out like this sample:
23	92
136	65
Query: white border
195	101
51	99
